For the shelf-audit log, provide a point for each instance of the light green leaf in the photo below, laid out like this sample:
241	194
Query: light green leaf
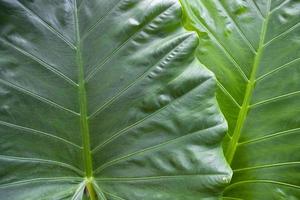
253	47
105	98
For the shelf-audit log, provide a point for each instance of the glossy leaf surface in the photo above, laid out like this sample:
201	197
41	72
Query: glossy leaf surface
253	47
105	95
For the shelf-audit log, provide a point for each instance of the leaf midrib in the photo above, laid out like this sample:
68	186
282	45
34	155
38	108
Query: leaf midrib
84	127
231	149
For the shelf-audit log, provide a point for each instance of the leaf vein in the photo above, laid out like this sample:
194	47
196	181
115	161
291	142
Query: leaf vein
100	20
41	62
282	34
242	34
226	52
46	161
267	166
257	8
277	69
28	181
114	98
38	97
230	152
113	195
150	178
270	136
279	6
274	99
262	181
98	67
221	86
18	127
139	122
152	148
46	25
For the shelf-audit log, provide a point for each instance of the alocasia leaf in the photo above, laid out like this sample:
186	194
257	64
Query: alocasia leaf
253	47
104	99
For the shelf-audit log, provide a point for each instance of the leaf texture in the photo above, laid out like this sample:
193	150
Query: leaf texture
105	97
253	47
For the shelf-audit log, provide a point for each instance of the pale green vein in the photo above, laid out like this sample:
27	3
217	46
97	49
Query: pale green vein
277	69
45	180
99	191
274	99
42	161
224	49
139	122
242	34
168	56
257	9
79	6
100	20
262	182
84	127
164	177
279	6
157	147
46	25
138	31
79	191
38	97
227	134
225	91
270	136
267	166
282	34
64	194
40	61
248	94
113	195
34	131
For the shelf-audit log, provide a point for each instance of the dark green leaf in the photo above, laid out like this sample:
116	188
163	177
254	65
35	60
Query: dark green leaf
253	47
105	98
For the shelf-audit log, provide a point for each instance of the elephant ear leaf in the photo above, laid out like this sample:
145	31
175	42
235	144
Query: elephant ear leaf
253	47
105	100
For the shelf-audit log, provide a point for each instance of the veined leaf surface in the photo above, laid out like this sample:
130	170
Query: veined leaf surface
253	47
105	95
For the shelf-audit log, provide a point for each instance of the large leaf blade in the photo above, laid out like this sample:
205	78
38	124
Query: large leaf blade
107	96
253	47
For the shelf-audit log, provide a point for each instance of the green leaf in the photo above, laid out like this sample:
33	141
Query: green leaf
253	47
105	99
